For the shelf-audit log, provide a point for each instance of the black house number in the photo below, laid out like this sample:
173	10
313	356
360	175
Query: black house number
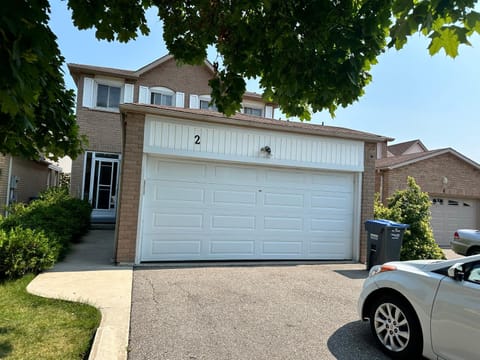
197	139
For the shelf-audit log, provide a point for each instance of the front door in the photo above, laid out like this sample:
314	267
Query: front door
100	186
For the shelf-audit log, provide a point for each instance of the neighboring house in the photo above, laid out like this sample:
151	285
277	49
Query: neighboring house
22	180
196	185
451	180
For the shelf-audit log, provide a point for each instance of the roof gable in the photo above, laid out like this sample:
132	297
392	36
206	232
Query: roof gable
408	147
390	163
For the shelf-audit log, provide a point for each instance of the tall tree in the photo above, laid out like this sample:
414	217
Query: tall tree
36	111
309	55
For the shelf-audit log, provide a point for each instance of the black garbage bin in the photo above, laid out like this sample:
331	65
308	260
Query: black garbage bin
384	241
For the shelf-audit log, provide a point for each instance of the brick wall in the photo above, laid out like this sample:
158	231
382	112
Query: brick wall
130	189
188	79
463	178
368	194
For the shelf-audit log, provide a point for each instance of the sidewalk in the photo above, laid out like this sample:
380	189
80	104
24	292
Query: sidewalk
88	275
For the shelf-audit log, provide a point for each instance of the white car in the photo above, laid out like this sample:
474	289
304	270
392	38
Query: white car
425	307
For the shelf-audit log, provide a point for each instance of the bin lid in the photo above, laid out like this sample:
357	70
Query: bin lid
387	223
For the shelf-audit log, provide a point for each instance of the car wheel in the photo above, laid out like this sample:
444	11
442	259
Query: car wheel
396	327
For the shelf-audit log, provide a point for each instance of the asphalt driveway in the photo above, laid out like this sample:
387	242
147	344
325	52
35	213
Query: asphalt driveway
249	312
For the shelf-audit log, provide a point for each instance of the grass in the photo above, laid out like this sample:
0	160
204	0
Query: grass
32	327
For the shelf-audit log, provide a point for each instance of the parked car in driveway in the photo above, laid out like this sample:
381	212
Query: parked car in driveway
424	307
466	242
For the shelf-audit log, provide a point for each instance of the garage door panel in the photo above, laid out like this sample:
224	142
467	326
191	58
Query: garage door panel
238	175
177	221
218	247
171	170
283	223
244	212
233	222
285	178
290	200
292	249
235	197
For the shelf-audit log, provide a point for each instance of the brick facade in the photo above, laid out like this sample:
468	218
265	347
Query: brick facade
130	186
186	78
368	194
463	178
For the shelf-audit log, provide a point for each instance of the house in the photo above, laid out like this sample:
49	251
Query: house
451	179
22	180
196	185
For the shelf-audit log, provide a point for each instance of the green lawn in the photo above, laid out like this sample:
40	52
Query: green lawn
33	327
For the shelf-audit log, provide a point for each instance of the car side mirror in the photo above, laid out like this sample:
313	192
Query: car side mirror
457	272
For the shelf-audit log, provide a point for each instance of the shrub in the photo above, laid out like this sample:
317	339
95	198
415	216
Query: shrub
25	251
59	216
411	206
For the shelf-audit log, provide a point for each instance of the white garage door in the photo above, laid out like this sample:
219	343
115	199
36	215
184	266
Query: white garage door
195	210
450	214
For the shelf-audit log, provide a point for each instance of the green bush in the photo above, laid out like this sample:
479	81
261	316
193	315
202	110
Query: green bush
59	216
411	206
25	251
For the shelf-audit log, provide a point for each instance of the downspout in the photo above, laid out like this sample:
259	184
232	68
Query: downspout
381	185
9	180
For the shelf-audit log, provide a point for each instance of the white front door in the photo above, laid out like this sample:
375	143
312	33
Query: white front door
196	210
100	184
451	214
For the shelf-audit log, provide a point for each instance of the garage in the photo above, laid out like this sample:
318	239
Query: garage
209	211
451	214
198	186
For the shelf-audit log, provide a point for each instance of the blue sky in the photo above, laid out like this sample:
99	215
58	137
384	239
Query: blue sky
412	95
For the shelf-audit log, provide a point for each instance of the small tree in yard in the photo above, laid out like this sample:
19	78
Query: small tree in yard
411	206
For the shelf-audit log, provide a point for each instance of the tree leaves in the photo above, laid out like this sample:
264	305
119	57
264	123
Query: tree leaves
36	111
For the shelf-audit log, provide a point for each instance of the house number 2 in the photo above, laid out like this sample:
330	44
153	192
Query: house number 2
197	139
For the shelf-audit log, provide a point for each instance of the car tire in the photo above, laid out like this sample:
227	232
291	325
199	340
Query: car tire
396	328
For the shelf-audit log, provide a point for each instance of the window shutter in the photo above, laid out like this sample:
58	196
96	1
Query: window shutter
194	102
143	95
88	90
128	93
269	112
179	99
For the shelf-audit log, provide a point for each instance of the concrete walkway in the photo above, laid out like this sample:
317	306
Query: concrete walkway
88	275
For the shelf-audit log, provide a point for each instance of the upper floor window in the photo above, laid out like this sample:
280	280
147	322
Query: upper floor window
252	111
162	96
108	96
205	103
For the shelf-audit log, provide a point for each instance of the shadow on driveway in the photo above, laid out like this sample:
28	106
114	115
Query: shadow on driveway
354	341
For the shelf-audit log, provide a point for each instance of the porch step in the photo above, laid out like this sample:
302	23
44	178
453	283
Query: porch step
102	226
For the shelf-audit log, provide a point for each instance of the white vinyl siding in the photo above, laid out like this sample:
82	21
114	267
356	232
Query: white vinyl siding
222	142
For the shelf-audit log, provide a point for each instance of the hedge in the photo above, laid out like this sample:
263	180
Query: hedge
55	220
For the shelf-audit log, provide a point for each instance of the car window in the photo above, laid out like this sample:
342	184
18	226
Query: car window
474	275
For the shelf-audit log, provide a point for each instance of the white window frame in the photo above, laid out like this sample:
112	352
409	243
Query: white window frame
162	91
207	98
107	82
252	108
